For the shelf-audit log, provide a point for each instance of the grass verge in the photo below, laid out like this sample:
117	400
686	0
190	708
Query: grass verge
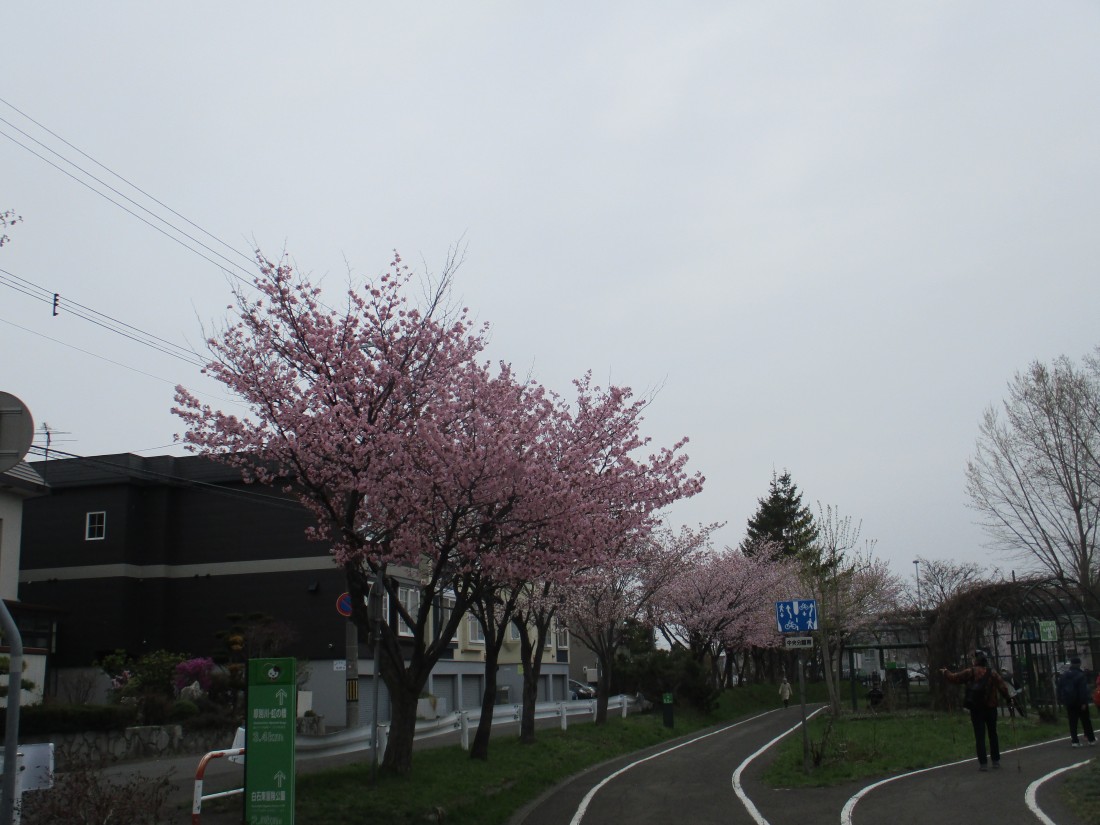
1082	792
866	745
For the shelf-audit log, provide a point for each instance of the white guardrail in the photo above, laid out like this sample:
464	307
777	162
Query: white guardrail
351	740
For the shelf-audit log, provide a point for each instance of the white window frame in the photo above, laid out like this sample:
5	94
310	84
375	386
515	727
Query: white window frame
513	631
562	637
447	603
409	597
95	525
475	633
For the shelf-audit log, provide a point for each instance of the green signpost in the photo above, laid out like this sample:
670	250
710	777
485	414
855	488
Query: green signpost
1048	631
269	744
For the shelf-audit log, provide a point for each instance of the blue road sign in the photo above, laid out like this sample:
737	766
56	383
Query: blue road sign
796	616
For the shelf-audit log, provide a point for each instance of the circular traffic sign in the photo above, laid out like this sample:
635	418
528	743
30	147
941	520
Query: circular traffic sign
16	430
343	604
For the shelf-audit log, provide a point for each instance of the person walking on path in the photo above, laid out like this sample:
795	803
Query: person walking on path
983	686
1073	692
785	692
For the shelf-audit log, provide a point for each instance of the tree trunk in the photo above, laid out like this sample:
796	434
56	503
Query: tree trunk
531	656
479	749
399	749
831	674
603	688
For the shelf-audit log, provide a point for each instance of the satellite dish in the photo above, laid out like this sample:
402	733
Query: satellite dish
16	431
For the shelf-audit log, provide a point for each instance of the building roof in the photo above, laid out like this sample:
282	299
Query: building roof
23	479
133	469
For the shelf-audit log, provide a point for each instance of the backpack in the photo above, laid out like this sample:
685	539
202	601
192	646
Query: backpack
976	692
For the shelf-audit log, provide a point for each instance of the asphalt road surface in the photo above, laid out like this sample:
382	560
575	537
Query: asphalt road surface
714	777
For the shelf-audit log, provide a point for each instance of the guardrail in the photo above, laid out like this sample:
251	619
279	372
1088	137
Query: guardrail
351	740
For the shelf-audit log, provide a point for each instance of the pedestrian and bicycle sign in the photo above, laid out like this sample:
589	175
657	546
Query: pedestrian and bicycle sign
796	615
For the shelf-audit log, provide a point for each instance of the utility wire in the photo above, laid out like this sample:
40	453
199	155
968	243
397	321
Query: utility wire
38	292
116	363
88	352
146	221
129	183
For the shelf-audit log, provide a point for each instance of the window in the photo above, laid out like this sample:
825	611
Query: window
513	631
409	597
95	526
563	638
474	630
446	610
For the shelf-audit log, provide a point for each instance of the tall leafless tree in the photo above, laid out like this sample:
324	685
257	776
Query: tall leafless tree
1035	474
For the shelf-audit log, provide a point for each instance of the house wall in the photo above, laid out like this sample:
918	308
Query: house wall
10	532
186	544
175	562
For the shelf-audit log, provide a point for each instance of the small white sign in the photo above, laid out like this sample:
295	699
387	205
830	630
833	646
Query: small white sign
339	665
798	641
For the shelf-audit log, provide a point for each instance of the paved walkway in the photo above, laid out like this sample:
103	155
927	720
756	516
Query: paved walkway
715	776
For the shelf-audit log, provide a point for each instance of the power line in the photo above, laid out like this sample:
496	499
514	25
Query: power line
116	363
145	221
120	177
40	293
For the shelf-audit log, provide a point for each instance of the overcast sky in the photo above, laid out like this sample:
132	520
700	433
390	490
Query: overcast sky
828	233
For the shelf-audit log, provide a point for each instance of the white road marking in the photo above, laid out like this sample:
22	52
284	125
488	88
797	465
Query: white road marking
592	793
754	812
1029	795
850	805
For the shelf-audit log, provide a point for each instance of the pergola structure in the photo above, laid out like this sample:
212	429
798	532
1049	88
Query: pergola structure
1030	628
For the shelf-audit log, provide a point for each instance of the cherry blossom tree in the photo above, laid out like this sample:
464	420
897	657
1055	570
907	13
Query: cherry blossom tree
412	456
608	498
429	474
601	603
723	601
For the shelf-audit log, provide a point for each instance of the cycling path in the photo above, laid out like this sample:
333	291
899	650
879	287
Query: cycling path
714	776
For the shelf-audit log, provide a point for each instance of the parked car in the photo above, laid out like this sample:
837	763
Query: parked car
579	690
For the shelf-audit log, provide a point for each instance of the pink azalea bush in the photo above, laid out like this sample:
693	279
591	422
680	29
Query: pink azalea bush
199	669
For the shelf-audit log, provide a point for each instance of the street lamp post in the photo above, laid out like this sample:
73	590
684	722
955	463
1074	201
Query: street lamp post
920	606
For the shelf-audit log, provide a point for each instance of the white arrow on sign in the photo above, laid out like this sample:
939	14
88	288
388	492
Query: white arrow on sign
280	778
280	694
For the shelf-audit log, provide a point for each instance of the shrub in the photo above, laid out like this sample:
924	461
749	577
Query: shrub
182	710
86	797
152	673
154	708
194	670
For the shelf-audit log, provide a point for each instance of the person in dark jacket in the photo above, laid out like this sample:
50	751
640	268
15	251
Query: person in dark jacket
983	715
1073	692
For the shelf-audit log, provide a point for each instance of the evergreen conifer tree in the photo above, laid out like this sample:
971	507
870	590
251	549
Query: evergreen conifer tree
783	519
